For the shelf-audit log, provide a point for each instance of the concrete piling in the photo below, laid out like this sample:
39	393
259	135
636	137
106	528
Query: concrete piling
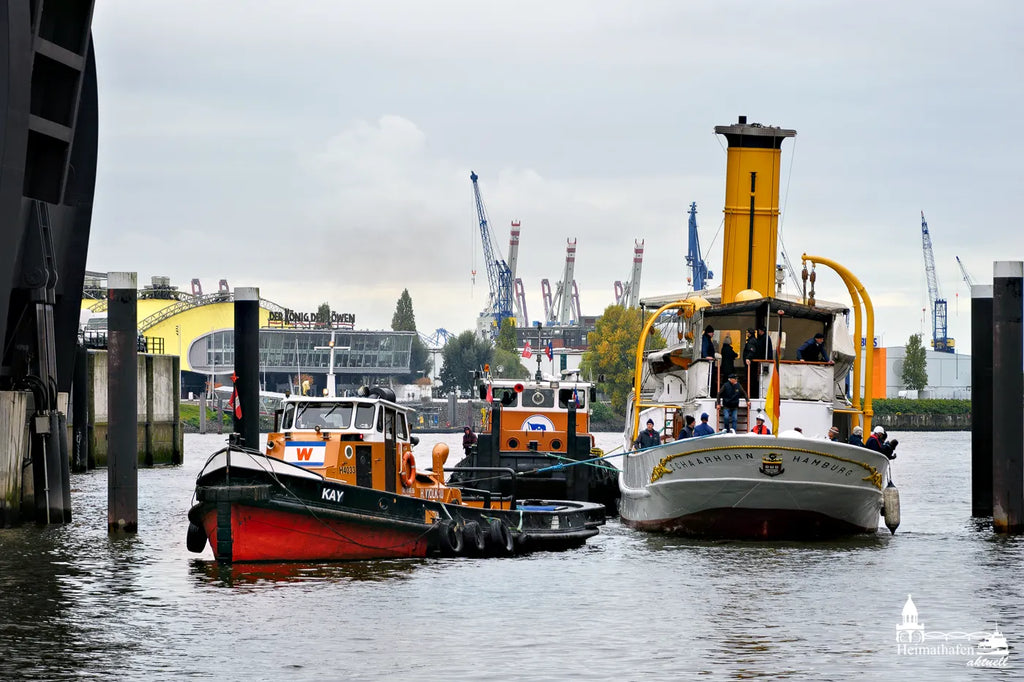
981	400
80	411
247	365
1007	389
122	402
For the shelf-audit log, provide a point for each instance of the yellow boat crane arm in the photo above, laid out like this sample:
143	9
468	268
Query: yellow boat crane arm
858	294
688	307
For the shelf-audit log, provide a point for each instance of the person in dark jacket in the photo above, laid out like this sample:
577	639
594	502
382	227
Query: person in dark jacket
764	348
707	343
648	437
468	439
729	396
857	437
749	353
813	350
728	364
687	431
704	429
877	442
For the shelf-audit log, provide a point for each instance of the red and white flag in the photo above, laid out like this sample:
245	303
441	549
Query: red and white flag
234	402
527	353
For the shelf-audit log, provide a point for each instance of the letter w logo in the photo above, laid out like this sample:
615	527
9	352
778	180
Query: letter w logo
303	454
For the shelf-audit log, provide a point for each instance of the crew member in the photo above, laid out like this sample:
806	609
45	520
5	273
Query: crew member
648	437
704	429
729	396
813	350
760	427
468	439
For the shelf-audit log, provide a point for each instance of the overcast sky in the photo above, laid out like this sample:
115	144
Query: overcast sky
321	150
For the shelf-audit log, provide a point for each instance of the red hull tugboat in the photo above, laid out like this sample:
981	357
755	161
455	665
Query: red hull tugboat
540	428
338	481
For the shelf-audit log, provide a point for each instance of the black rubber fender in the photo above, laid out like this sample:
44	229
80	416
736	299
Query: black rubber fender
500	537
195	538
473	537
450	538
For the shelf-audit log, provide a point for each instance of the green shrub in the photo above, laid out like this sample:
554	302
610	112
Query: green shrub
894	406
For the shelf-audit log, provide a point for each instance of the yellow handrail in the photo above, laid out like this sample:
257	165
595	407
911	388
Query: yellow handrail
639	366
855	287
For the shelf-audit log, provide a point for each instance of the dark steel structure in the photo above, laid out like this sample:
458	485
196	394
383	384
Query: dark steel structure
48	135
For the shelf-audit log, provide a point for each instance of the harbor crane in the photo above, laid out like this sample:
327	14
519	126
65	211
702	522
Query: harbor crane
968	280
518	292
566	301
940	341
499	276
628	294
699	270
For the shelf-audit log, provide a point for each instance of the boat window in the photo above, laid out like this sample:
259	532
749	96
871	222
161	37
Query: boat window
338	415
538	397
567	396
506	396
289	416
403	429
389	422
364	416
380	421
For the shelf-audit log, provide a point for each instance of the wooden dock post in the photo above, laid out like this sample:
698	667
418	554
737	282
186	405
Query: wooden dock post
981	400
1007	388
13	436
122	403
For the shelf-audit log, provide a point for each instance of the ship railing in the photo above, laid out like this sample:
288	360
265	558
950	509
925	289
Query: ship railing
501	472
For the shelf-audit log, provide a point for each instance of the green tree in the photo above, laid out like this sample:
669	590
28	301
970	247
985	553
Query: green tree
915	364
404	319
612	352
507	337
461	356
506	365
323	315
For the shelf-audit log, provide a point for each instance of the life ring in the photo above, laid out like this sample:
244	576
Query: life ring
408	474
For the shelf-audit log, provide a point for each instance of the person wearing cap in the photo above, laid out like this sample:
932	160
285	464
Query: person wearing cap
877	442
813	349
833	433
750	353
857	437
687	431
729	396
704	429
707	343
760	427
649	437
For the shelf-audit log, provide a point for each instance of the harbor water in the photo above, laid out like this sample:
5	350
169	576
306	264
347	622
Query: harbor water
76	603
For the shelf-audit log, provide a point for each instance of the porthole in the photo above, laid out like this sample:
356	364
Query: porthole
348	452
556	444
513	443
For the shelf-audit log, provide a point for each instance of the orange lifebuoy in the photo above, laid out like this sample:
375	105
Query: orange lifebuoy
408	474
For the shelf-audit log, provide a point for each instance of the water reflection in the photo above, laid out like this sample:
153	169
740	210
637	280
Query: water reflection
216	574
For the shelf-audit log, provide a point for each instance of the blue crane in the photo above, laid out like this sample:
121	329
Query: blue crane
693	257
499	275
940	341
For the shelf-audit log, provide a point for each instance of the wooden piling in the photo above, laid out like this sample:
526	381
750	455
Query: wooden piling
1007	389
981	400
122	403
247	366
13	444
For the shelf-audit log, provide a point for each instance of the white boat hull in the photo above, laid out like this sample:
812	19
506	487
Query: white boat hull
748	486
